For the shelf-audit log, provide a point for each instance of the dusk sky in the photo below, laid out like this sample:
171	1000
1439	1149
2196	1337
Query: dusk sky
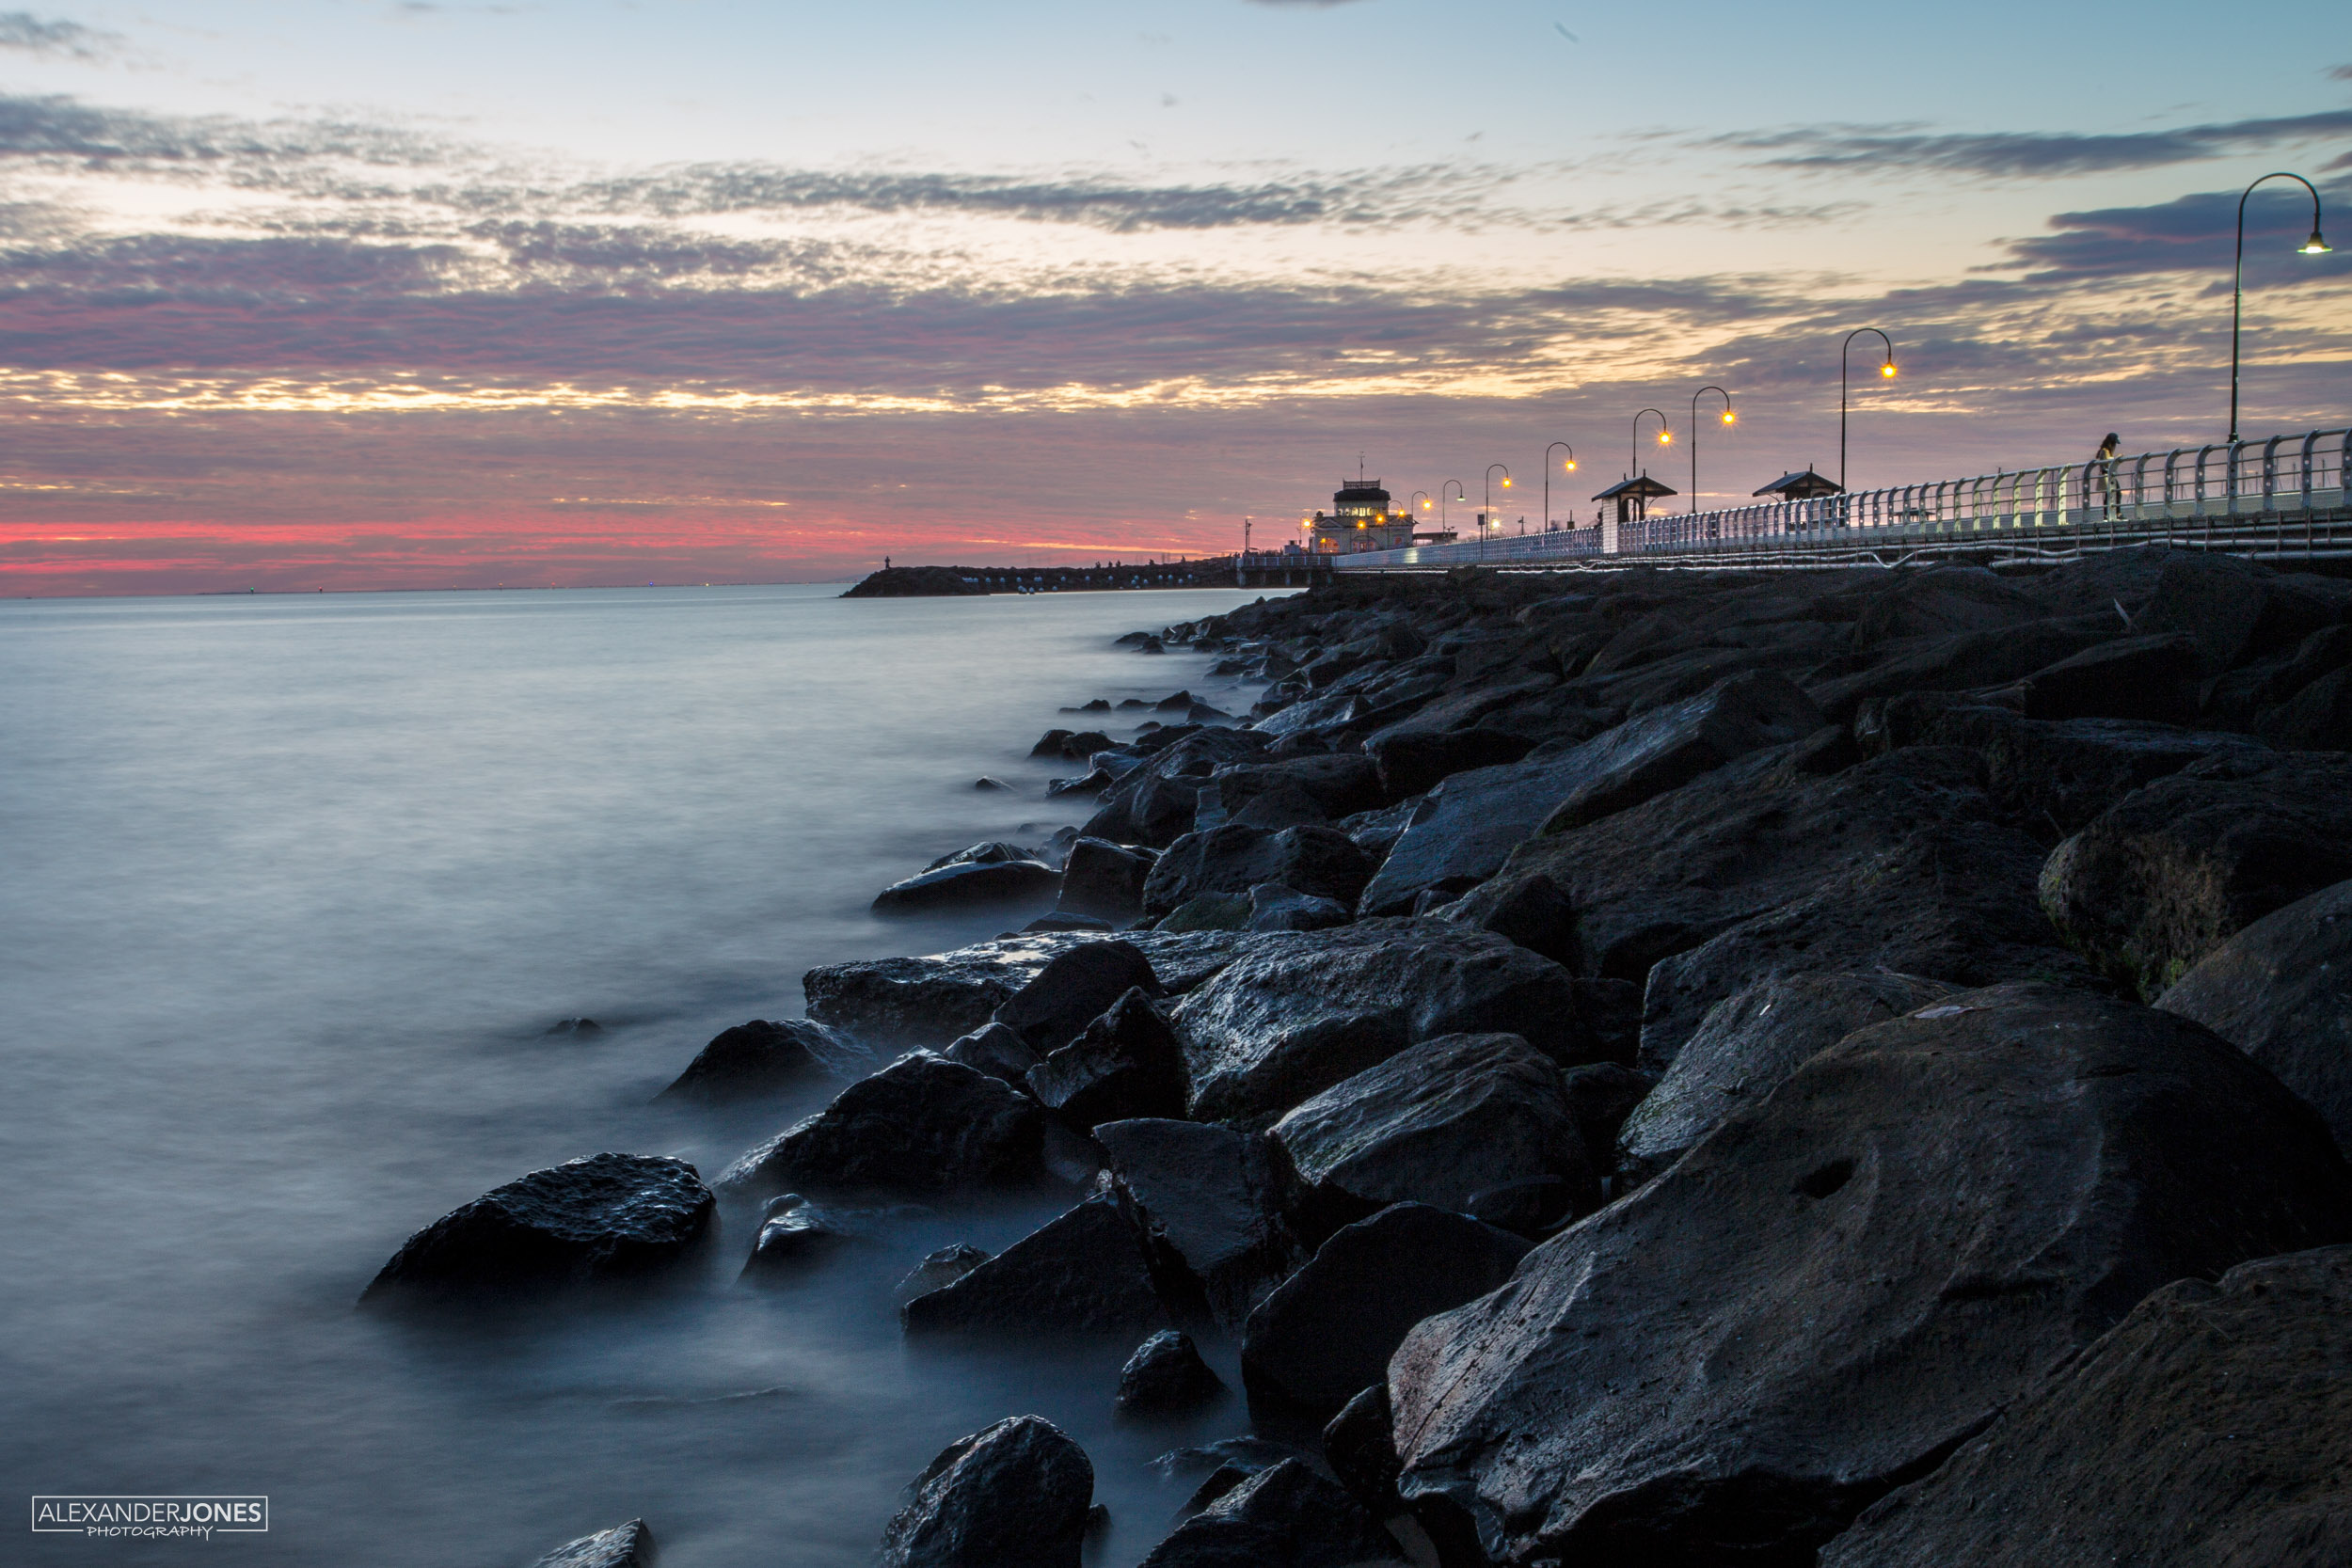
317	293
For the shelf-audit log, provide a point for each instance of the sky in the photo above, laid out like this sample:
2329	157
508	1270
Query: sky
322	294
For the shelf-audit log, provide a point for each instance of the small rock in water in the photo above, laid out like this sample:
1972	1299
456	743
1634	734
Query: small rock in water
1103	880
800	1233
761	1056
939	1269
1167	1374
1100	704
1176	703
1016	1495
1133	702
985	783
575	1026
602	1217
630	1546
1086	1273
921	1127
964	882
1287	1515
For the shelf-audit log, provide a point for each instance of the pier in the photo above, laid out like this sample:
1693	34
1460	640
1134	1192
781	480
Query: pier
2280	498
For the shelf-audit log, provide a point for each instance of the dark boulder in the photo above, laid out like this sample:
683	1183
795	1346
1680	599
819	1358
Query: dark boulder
1210	911
1274	906
1075	744
1941	601
1361	1448
1601	1095
2280	990
1375	832
1155	804
1103	880
1530	1206
922	1127
2318	717
1413	762
1858	863
1086	1272
1335	784
1963	662
2053	778
2206	1430
1469	825
940	1268
1843	1282
995	1050
2132	678
2170	872
962	884
1075	986
927	1002
1749	1042
1236	857
630	1546
1166	1375
761	1057
2238	611
1299	1013
1016	1495
1215	1198
1126	1063
1330	1329
603	1217
1283	1518
1435	1123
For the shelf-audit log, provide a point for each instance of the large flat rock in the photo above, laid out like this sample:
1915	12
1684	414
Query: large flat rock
923	1127
1306	1009
2208	1430
1838	1286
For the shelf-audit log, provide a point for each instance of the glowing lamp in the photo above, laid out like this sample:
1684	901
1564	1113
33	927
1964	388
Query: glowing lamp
2316	246
1665	438
1887	369
1569	464
1727	419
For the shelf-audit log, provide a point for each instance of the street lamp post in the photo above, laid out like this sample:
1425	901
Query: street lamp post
2312	246
1415	512
1665	438
1694	436
1490	494
1569	466
1886	368
1441	500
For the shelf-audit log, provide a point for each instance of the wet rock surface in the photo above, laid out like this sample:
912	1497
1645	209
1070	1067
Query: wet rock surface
1435	1123
628	1545
2205	1431
1166	1375
1088	1272
1015	1494
1838	1287
1330	1329
1286	1517
1321	862
1300	1013
923	1127
602	1218
1219	1200
1127	1063
1074	988
762	1057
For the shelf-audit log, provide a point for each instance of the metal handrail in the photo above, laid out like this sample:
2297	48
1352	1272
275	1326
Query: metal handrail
2113	500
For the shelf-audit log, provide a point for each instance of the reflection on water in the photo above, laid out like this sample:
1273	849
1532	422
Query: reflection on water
295	889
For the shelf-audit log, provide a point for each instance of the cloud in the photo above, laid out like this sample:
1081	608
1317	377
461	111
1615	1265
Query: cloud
23	30
2020	153
2194	233
59	129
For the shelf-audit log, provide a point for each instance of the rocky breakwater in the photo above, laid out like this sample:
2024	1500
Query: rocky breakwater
1637	1068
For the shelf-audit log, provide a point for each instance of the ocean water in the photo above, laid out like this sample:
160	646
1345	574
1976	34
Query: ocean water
290	892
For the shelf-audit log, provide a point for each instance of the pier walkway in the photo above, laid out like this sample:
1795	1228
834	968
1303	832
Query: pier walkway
2284	496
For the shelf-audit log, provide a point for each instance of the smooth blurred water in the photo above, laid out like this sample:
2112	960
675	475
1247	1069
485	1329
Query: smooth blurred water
292	889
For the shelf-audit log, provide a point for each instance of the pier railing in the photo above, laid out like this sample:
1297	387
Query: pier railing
2284	494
